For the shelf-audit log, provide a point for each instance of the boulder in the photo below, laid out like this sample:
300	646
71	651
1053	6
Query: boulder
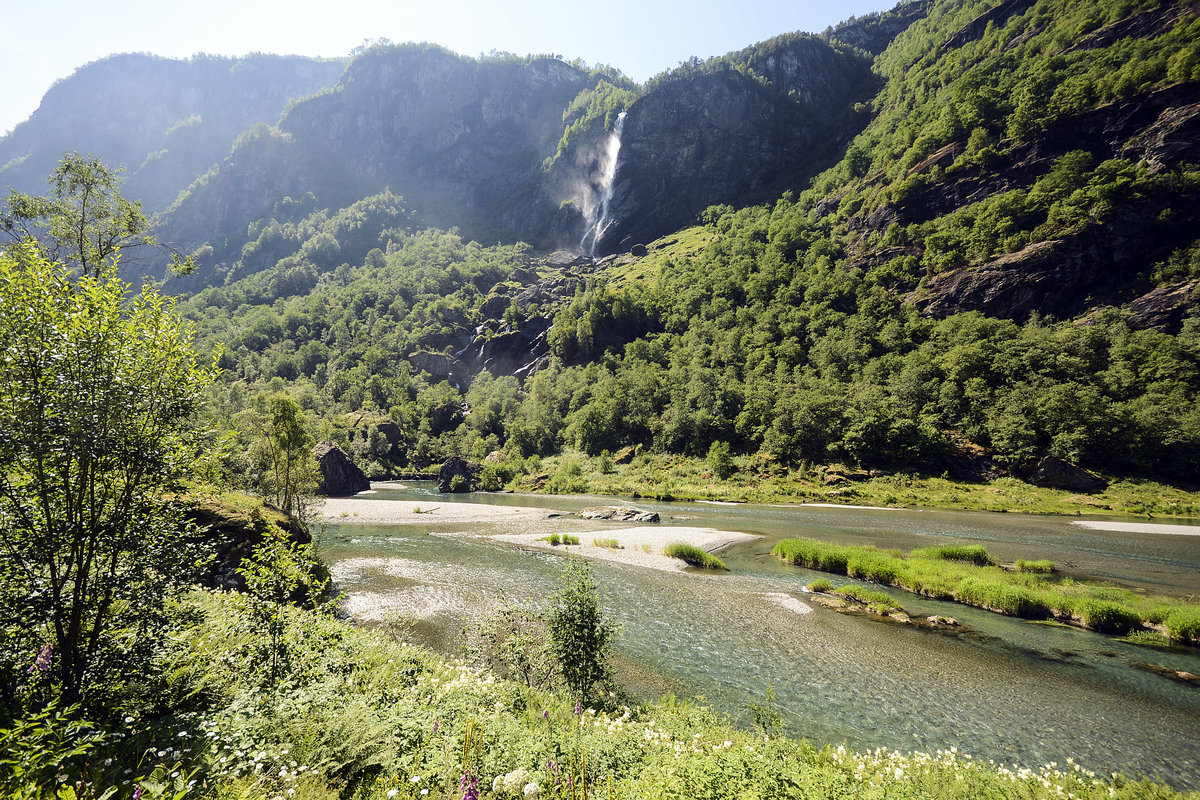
623	456
338	474
1054	473
619	514
458	475
230	531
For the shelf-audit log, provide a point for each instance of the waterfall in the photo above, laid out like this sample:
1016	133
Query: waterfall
608	171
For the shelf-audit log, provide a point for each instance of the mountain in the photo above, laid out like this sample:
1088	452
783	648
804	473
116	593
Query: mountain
957	236
164	121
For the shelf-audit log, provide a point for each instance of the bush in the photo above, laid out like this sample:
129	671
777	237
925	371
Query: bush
581	637
820	585
694	556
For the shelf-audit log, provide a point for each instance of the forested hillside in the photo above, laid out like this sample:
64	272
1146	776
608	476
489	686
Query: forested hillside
996	259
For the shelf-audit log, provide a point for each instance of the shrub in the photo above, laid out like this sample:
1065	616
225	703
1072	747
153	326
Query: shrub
569	539
694	556
611	544
580	635
1043	567
554	539
820	585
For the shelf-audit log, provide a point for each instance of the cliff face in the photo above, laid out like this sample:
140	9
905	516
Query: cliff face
466	143
711	135
165	121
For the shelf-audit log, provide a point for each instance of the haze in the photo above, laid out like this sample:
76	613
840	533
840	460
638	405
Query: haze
47	41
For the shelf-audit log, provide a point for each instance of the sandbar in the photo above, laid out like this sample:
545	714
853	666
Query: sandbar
640	546
367	511
1140	527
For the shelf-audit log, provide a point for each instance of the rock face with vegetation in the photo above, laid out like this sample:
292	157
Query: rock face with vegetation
230	528
199	108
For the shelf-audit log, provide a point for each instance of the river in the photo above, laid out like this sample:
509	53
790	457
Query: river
1007	690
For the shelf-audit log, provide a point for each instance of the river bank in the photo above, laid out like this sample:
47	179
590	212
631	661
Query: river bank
762	480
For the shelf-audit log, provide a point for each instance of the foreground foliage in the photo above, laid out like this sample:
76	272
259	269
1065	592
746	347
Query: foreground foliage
362	716
98	393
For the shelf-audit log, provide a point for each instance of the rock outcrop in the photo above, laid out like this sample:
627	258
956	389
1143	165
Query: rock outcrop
619	514
1055	473
231	530
339	476
458	475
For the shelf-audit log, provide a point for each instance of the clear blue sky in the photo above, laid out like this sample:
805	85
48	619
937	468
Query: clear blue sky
46	40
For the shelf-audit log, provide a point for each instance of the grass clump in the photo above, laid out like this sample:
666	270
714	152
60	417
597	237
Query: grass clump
1108	617
694	556
569	539
554	539
876	601
975	554
968	574
611	544
820	585
1183	624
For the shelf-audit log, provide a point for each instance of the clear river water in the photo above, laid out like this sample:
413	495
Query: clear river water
1002	689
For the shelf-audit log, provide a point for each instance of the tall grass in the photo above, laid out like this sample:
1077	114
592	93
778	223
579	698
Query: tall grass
694	556
968	574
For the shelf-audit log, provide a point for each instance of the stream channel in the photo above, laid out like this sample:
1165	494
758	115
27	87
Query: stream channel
1015	692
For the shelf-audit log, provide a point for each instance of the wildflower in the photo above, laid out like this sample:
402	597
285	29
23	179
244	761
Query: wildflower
415	779
137	792
42	662
469	786
435	726
393	792
578	708
532	790
545	714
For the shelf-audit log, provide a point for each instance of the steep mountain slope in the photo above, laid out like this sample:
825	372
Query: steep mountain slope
507	148
165	121
1028	157
739	129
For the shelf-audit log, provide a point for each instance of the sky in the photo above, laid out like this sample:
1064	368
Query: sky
46	40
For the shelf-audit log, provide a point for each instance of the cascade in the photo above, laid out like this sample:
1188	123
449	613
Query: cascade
608	172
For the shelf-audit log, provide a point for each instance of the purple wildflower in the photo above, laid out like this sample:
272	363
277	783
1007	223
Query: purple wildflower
137	792
578	708
469	786
42	662
545	714
435	726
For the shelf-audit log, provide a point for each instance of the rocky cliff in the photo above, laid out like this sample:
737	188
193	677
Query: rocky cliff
738	130
164	121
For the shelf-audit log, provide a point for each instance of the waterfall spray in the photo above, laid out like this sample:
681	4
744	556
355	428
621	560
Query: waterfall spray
608	171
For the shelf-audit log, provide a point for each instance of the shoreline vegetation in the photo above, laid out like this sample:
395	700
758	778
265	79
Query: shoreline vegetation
761	479
969	575
360	713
